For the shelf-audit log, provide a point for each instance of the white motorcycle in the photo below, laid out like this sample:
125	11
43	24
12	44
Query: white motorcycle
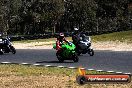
84	46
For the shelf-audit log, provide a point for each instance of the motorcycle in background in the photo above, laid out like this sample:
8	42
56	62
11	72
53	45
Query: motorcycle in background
6	46
84	46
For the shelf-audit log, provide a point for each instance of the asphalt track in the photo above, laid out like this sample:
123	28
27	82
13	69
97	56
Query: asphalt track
118	61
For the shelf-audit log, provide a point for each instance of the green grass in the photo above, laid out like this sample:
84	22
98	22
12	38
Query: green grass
13	76
29	70
124	36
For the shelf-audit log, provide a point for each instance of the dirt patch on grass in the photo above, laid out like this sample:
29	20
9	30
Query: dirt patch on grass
114	46
53	81
21	76
34	45
33	82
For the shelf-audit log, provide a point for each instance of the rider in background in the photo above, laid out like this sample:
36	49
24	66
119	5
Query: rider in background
59	41
5	40
76	36
1	37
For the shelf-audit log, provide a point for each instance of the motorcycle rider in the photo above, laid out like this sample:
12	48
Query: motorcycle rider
5	40
1	43
59	41
1	38
76	36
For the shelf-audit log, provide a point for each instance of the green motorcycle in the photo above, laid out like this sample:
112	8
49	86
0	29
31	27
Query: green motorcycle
67	53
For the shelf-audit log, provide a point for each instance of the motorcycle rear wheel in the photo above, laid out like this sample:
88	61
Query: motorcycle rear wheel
78	53
91	52
13	50
1	52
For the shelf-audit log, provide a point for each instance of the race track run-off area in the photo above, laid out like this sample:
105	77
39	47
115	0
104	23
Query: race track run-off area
117	61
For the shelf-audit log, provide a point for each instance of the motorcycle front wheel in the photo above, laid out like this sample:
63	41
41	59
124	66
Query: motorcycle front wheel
13	50
91	52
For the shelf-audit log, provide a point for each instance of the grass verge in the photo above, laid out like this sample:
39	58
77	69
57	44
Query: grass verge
125	36
28	70
21	76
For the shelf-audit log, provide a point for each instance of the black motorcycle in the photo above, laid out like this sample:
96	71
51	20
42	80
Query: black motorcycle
6	46
84	46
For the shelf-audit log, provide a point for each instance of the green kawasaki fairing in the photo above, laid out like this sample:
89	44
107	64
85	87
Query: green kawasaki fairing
68	50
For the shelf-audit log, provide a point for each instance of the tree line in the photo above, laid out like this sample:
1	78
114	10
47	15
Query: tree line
29	17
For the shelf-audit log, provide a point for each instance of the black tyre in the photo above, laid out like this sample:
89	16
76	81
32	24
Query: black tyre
59	58
13	50
91	52
75	58
81	80
1	52
78	53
